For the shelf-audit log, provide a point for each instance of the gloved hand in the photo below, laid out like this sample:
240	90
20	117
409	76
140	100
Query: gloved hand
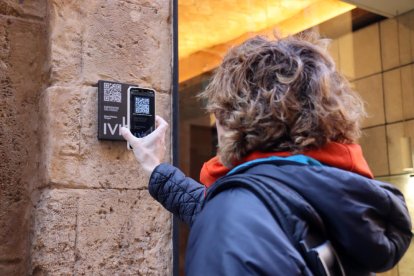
149	150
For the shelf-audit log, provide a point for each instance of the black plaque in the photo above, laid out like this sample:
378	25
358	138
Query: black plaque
112	109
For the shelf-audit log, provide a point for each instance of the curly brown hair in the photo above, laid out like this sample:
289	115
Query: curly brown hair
281	95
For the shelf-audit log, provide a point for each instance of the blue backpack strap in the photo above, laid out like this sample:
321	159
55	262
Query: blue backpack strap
299	159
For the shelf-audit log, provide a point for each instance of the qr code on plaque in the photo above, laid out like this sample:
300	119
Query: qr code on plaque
142	105
112	92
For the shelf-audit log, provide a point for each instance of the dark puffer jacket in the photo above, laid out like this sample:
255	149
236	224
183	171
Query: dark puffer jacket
237	228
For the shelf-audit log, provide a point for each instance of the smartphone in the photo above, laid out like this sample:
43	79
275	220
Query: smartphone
140	111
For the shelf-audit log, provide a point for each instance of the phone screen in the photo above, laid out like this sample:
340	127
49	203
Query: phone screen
141	111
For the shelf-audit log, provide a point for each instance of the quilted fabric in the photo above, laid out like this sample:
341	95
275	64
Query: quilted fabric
178	194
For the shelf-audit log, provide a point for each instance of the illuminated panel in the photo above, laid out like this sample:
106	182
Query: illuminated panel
203	24
202	44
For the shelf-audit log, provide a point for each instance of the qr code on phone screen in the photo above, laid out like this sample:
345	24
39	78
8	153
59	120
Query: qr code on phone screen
112	92
142	105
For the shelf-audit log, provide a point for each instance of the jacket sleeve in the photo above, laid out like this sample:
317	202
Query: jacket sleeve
178	194
235	234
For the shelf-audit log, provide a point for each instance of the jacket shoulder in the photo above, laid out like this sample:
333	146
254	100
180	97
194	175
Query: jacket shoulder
235	234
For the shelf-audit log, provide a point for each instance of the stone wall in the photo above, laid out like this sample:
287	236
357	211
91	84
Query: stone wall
75	205
23	71
379	62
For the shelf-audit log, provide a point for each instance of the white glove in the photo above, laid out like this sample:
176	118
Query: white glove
149	150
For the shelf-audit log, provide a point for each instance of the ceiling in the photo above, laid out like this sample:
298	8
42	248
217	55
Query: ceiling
208	28
204	24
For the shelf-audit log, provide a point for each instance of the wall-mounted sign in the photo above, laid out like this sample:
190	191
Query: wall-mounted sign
112	109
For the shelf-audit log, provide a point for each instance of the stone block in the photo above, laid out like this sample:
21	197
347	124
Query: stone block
393	96
406	265
392	272
22	72
116	40
21	78
407	83
409	132
14	224
66	28
406	37
54	233
11	269
75	157
367	51
346	50
140	53
100	232
374	147
371	91
24	9
359	53
122	233
389	44
334	52
395	133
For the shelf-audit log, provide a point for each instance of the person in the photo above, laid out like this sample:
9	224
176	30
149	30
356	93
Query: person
289	182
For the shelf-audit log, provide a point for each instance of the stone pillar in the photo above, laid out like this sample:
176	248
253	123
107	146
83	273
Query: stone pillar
92	212
23	68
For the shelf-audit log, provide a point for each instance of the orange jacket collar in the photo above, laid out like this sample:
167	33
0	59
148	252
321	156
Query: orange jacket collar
348	157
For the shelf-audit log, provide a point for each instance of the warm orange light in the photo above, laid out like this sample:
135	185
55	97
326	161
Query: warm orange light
313	15
207	29
204	24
